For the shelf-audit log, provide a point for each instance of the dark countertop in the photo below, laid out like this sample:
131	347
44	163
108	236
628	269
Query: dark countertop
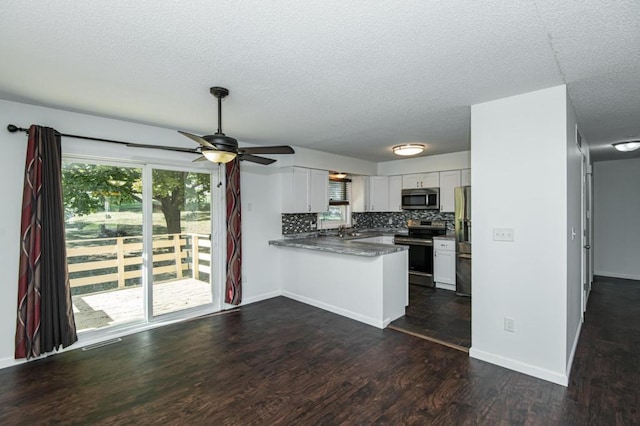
334	244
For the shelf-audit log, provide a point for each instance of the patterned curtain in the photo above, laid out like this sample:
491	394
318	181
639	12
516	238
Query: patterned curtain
233	288
45	313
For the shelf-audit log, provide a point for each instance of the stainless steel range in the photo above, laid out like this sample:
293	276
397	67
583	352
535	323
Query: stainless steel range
420	242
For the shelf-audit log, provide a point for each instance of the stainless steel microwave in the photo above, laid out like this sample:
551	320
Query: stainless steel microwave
421	199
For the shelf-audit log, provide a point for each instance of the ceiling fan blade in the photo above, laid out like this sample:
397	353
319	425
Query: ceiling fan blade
201	158
282	149
166	148
197	139
256	159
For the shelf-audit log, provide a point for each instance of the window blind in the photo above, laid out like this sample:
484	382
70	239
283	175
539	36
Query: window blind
339	192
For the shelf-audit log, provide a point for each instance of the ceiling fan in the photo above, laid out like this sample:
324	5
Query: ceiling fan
220	148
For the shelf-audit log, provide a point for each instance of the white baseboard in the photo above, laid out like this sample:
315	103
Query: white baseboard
617	275
521	367
336	310
10	362
445	286
573	349
260	297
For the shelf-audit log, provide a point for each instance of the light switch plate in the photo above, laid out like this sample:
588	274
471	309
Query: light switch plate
503	234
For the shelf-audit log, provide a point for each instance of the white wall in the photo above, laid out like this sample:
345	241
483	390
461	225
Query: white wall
616	214
430	163
260	187
519	173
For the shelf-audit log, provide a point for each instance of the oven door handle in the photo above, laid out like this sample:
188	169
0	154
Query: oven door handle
412	242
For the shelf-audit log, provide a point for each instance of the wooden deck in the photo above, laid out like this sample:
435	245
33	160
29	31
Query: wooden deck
120	306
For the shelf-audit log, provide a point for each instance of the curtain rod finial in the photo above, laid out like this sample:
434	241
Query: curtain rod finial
12	128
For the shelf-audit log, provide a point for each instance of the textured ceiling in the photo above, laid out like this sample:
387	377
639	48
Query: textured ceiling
352	78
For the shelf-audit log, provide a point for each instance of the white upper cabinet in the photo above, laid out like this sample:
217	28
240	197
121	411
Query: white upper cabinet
358	199
370	194
318	190
448	182
421	180
378	193
304	190
395	193
466	177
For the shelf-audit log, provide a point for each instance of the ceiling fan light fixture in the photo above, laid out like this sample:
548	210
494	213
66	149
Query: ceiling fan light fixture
627	146
408	149
218	156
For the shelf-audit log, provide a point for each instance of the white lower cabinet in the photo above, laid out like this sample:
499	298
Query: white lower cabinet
444	263
382	239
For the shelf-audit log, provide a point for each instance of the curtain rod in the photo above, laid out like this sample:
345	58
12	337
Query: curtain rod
13	129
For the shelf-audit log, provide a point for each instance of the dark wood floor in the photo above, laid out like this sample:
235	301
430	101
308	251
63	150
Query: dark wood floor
437	314
282	362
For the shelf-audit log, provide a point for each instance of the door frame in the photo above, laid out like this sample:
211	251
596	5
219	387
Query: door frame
585	234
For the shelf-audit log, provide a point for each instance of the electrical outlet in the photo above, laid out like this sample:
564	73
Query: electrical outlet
509	325
503	234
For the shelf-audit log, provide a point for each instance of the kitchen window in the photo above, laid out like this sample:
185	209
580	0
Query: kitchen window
339	213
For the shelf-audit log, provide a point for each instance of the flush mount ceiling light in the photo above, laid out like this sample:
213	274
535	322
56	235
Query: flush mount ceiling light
408	149
338	175
627	146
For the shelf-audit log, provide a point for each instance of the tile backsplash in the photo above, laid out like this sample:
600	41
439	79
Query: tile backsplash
298	223
306	222
398	219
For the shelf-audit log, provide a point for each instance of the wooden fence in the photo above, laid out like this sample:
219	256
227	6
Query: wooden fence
119	259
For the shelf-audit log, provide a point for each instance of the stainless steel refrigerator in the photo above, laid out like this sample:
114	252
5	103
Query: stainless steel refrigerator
463	240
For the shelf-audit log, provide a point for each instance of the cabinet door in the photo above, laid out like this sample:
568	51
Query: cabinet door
376	240
386	239
444	266
466	177
395	193
430	180
318	191
359	197
378	193
448	181
300	190
411	181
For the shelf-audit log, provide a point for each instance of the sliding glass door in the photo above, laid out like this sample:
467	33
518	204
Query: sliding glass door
103	228
181	240
138	242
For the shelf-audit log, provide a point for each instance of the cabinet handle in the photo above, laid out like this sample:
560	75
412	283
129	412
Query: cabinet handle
309	208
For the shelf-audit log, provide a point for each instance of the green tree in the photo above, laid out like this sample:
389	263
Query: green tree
86	186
